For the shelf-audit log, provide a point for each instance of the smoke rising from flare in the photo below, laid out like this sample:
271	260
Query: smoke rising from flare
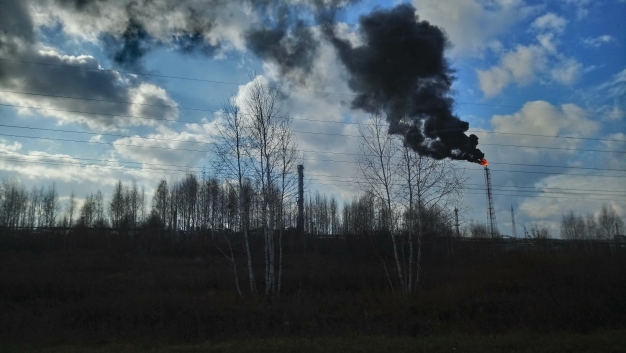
401	71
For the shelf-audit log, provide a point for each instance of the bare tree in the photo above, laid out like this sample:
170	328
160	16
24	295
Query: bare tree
287	155
50	207
410	187
478	230
87	212
428	186
377	163
572	226
266	127
71	208
116	207
591	225
231	151
13	204
334	217
608	220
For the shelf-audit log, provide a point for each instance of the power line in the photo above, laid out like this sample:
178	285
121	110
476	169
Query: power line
533	187
120	168
530	196
308	159
299	119
97	160
121	71
188	169
175	172
307	151
243	83
295	131
481	187
572	192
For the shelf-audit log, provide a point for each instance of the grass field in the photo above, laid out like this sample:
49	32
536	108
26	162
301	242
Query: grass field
602	341
337	300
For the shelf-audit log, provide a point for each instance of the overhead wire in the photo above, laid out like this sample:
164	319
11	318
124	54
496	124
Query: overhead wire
307	151
322	133
307	132
299	119
244	83
73	161
180	173
304	158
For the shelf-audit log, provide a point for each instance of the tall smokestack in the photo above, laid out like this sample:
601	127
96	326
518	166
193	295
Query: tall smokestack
514	234
300	222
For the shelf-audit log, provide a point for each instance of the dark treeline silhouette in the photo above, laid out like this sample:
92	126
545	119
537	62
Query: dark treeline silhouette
170	270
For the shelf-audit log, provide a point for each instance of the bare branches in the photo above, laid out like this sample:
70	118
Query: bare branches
409	187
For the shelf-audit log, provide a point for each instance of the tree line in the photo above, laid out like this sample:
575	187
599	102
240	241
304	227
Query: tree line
406	200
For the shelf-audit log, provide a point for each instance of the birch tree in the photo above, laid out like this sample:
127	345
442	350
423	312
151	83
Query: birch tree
231	151
268	129
377	163
428	185
409	187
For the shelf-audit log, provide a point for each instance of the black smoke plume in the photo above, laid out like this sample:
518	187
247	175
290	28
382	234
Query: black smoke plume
129	50
289	49
401	71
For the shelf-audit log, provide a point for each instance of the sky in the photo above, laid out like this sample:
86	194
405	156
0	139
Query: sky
92	92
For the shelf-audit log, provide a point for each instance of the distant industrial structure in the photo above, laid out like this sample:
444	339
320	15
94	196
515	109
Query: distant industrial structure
300	221
514	233
491	213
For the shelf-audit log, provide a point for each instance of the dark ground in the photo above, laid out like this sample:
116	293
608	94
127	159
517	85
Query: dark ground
91	299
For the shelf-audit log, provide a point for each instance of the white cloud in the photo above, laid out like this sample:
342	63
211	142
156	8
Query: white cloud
567	71
58	167
471	24
525	63
581	7
598	41
549	21
547	41
615	87
616	113
584	195
524	173
95	97
616	142
185	148
519	66
542	118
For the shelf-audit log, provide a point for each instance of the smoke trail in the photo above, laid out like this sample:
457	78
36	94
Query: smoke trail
401	70
276	31
287	41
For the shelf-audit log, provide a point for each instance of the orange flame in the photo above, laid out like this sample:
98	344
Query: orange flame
483	162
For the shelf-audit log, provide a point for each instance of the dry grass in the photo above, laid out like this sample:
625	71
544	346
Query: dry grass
88	298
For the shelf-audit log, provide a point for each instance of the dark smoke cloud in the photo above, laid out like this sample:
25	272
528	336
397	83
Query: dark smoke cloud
283	35
401	71
286	39
290	50
129	50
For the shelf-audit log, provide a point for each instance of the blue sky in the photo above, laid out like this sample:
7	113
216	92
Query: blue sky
529	74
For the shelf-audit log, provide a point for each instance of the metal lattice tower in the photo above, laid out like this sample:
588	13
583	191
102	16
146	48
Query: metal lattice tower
491	213
513	223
